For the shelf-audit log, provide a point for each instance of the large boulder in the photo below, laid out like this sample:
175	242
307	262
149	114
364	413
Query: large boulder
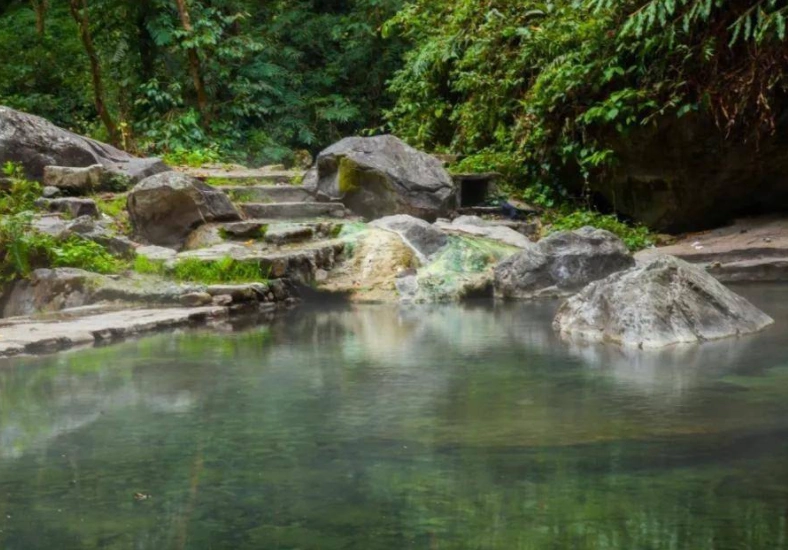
166	207
662	302
561	264
381	176
684	174
36	143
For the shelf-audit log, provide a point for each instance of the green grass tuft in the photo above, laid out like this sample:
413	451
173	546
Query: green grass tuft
193	270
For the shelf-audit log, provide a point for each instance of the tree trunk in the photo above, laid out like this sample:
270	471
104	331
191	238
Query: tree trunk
145	44
194	62
79	11
40	7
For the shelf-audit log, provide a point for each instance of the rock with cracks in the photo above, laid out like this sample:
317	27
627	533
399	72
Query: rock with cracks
35	143
165	208
425	239
663	302
561	264
381	176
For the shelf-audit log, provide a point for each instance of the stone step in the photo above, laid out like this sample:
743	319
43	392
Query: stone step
298	264
245	176
281	232
35	336
268	193
292	210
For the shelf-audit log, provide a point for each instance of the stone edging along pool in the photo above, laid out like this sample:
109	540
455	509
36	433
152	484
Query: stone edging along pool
29	335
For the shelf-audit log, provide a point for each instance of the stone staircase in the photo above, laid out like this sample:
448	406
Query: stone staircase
270	193
285	230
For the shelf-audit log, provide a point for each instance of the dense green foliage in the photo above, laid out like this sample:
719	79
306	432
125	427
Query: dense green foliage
536	89
22	249
635	237
540	89
276	76
543	91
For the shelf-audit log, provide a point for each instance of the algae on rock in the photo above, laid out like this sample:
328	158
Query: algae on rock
462	269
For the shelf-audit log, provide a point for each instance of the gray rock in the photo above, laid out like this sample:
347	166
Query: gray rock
381	176
83	225
50	192
116	244
298	264
321	276
249	292
419	235
156	253
74	180
196	299
280	234
50	224
244	230
474	225
662	302
36	143
93	230
37	336
166	207
72	207
561	264
49	290
222	300
280	290
204	236
292	210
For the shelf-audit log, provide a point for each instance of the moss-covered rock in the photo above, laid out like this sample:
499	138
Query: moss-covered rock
382	176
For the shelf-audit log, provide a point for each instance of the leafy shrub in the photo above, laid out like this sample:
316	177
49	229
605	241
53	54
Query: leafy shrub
22	249
635	237
195	157
540	90
21	194
83	254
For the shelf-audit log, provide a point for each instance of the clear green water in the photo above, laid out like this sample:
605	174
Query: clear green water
378	428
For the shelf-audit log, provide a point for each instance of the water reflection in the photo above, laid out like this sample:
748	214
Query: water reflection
393	428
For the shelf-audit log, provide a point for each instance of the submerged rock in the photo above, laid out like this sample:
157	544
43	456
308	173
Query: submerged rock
561	264
35	143
166	207
381	176
425	239
662	302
